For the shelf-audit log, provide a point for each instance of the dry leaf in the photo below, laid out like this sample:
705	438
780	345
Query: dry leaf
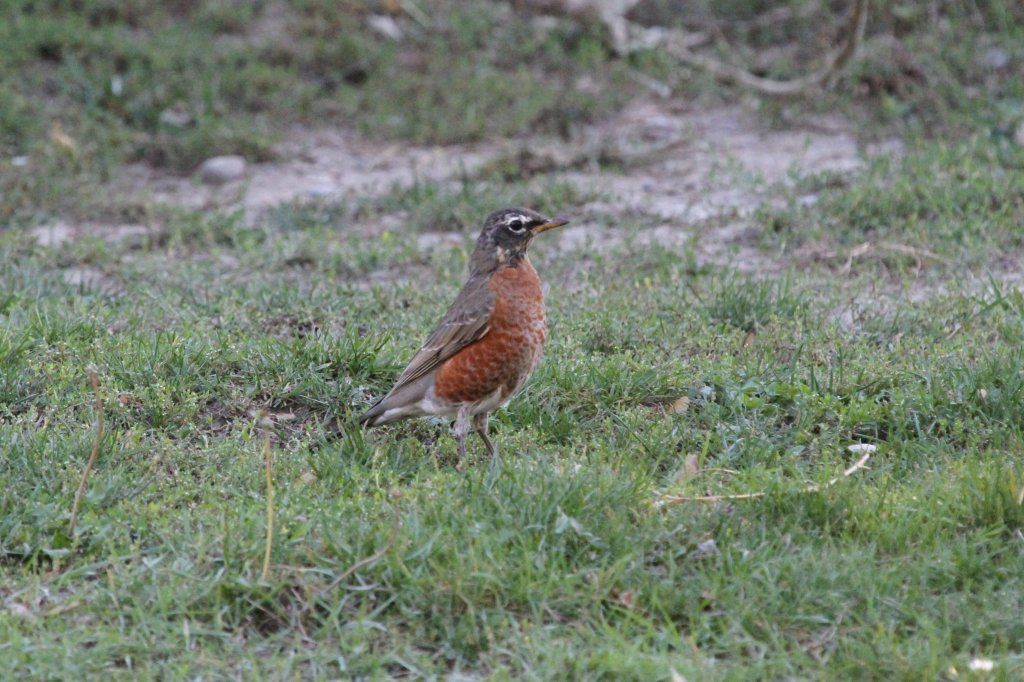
62	139
691	467
860	249
681	405
749	338
62	608
129	399
624	598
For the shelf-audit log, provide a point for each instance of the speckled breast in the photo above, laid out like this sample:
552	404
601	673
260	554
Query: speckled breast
504	358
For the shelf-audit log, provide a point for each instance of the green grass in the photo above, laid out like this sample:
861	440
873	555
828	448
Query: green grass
959	202
108	76
90	85
561	566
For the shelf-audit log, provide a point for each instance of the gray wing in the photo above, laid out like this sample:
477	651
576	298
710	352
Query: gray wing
467	320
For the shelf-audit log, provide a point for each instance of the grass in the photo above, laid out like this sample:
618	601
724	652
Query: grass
958	202
86	87
91	86
561	566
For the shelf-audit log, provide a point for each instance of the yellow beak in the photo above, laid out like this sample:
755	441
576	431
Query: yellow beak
551	224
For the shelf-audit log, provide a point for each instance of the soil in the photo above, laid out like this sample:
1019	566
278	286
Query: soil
686	177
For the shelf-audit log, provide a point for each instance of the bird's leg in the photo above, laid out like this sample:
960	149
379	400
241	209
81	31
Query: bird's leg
480	424
461	429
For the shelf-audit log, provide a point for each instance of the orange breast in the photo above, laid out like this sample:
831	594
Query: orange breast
508	353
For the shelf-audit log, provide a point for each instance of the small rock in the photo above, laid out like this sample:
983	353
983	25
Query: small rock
1018	135
176	117
19	161
385	25
995	58
219	170
20	610
982	664
705	548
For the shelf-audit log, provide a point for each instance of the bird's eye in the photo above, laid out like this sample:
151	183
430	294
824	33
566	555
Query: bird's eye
516	225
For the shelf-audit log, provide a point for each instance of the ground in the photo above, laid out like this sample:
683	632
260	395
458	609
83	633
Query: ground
753	295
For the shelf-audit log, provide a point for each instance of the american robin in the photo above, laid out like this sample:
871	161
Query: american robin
489	341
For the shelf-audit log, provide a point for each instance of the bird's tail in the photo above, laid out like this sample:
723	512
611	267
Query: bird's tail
403	401
374	415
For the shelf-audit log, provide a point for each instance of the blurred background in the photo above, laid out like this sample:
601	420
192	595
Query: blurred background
89	85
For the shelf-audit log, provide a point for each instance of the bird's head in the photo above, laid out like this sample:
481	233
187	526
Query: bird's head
506	235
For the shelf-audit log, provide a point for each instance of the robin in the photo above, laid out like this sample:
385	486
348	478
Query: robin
489	341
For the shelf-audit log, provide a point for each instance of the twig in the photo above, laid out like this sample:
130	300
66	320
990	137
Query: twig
267	460
94	380
853	468
855	252
918	253
395	495
915	251
62	608
823	77
812	488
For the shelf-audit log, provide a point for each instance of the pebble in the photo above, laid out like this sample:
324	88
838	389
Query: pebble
995	58
176	117
385	25
219	170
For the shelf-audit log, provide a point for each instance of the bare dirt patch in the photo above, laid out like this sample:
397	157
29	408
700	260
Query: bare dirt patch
682	177
695	177
324	164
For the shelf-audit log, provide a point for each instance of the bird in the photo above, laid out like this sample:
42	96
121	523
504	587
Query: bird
488	343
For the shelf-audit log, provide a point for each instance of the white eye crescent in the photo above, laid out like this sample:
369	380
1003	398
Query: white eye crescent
517	225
